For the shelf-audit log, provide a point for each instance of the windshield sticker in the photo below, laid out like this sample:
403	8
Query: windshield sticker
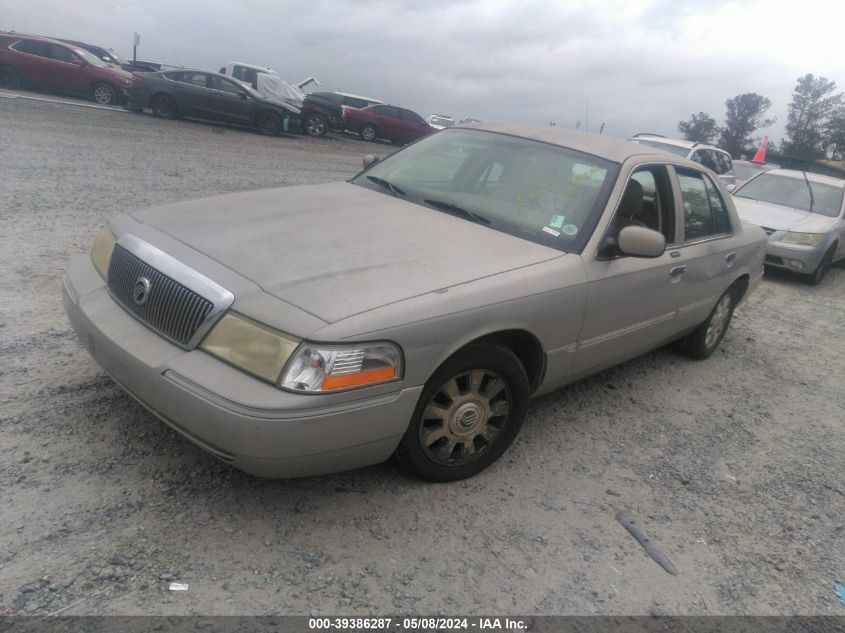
569	229
551	231
556	222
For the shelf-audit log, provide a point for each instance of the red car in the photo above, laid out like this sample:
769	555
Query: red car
27	60
397	125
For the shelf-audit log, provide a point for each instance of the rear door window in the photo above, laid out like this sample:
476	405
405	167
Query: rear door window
60	53
705	213
707	158
32	47
724	162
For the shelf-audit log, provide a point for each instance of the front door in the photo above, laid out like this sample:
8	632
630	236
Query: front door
229	101
633	302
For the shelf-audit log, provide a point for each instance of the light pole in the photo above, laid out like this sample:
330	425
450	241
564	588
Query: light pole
136	41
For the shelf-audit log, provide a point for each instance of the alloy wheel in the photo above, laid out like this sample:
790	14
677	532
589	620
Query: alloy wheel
464	417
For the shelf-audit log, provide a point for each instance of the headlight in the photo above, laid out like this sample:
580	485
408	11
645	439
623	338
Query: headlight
803	239
321	368
102	249
250	346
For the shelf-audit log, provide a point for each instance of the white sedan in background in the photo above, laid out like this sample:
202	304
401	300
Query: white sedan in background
802	214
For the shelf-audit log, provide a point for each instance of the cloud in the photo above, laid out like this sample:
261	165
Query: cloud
642	65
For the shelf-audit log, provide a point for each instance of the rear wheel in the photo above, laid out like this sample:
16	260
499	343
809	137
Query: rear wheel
368	132
815	277
164	107
269	123
104	93
316	125
706	337
9	77
468	414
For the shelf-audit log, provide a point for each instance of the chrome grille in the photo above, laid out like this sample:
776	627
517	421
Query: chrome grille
168	307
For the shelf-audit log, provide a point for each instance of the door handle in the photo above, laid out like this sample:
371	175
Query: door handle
678	270
729	259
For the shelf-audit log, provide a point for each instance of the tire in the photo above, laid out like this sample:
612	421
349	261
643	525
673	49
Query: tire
104	93
268	123
164	107
368	132
704	340
815	277
315	125
469	412
9	78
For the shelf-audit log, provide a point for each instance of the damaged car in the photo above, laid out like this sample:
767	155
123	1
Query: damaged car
415	309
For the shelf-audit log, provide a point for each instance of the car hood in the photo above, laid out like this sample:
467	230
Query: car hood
340	249
780	218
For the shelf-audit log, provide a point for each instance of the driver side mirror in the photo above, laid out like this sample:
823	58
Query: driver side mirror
639	241
370	160
242	94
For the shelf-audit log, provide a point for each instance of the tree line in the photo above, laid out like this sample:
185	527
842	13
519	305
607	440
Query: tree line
815	126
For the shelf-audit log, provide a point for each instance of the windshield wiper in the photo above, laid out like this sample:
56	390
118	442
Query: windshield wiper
396	191
450	207
809	188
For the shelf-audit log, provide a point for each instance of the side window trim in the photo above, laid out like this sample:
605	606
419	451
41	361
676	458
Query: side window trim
680	219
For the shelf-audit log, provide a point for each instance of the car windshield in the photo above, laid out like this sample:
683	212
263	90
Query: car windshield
789	191
91	58
436	120
544	193
666	147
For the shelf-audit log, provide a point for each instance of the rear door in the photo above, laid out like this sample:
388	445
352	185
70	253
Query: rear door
66	70
706	245
32	61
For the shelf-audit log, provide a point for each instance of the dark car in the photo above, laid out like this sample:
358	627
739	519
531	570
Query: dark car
396	125
210	96
323	111
40	62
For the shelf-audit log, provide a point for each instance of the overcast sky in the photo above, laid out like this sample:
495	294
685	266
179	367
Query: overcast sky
641	65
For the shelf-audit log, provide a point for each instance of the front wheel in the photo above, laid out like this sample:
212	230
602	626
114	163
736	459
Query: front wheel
706	337
164	107
269	124
368	132
316	125
104	93
469	412
815	278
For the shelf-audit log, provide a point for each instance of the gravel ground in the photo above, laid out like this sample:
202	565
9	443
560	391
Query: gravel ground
733	465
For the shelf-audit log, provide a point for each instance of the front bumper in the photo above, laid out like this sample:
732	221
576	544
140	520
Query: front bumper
243	421
801	259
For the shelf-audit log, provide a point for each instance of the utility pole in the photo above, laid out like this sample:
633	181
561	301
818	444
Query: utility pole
587	124
136	41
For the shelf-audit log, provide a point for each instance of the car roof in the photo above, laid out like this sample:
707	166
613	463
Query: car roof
677	142
41	38
252	66
613	149
799	175
349	94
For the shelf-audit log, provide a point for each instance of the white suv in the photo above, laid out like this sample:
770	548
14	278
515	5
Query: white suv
715	159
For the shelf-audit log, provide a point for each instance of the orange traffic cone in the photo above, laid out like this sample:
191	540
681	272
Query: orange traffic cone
760	156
